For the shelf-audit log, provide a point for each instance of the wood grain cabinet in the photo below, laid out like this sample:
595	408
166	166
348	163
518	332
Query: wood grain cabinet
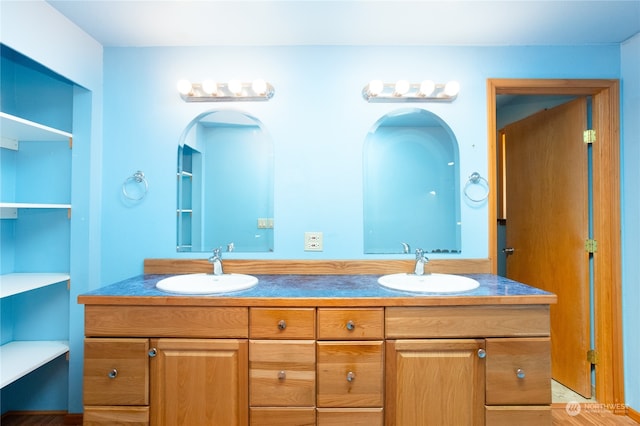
163	379
350	353
321	365
282	366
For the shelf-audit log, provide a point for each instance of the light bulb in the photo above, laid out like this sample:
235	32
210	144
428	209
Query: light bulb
402	87
375	87
184	86
210	87
259	86
235	87
426	88
451	88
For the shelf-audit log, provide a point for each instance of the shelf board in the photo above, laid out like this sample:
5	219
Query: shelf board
11	284
34	206
20	358
19	129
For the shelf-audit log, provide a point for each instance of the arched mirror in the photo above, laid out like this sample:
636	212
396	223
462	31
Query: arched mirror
411	185
225	184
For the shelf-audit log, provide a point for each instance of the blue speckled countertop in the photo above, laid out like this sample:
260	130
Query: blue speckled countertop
316	290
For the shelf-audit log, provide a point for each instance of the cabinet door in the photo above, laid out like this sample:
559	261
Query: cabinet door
110	416
199	382
434	382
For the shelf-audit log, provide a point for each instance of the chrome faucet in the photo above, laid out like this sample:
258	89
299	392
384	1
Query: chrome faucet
405	247
421	261
216	261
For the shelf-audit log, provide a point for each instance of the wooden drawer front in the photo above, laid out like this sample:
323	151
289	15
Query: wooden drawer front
351	324
530	356
350	417
350	374
109	416
467	321
518	415
283	416
116	371
166	321
266	323
282	373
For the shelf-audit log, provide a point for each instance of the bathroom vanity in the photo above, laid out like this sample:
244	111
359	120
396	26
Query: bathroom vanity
302	349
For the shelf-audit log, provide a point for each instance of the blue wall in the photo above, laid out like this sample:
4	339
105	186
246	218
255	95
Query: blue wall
630	77
318	121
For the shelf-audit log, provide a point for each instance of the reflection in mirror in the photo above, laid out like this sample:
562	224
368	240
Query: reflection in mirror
225	184
411	185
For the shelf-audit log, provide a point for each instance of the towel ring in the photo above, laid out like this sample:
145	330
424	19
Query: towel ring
476	179
135	180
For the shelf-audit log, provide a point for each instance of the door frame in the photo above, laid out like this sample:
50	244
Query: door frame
607	295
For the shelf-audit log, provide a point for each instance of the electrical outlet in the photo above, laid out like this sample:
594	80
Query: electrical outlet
313	241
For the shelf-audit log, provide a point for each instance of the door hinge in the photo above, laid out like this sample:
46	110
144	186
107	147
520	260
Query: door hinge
589	136
591	245
592	356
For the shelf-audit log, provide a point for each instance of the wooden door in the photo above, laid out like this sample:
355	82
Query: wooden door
434	382
199	382
547	213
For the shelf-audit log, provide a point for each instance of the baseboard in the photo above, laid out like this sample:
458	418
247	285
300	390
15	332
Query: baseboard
633	414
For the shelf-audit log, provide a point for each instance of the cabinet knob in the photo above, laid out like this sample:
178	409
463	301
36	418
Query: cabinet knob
113	374
282	324
351	376
152	352
482	353
282	375
351	325
520	373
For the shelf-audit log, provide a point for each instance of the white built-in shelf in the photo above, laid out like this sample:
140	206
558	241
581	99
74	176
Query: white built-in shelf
16	283
10	210
20	358
18	129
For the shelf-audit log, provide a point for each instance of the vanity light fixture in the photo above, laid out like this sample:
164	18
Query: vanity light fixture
404	91
234	90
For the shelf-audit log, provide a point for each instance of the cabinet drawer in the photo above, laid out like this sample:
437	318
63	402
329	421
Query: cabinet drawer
283	416
518	415
350	324
166	321
350	416
109	416
282	373
116	371
466	321
518	371
350	374
296	323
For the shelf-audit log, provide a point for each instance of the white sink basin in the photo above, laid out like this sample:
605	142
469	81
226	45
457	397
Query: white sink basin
428	283
206	283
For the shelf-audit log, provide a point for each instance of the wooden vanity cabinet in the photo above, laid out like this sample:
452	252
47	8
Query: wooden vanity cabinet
282	366
468	365
350	366
319	365
165	365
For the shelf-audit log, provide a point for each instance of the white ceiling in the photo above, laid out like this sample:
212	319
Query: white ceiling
353	22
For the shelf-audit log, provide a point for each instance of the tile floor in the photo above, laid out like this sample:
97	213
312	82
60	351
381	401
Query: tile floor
560	393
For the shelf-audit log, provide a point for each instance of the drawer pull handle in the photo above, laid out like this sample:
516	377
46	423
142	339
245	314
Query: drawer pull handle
282	375
351	325
520	373
351	376
113	374
482	353
282	324
152	352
